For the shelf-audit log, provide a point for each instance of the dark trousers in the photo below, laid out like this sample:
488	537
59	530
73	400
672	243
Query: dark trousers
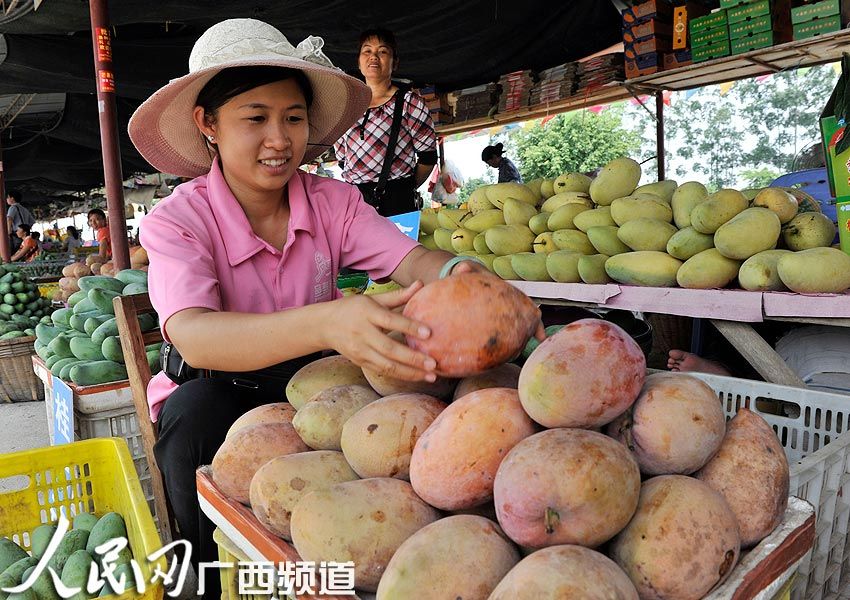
399	196
192	425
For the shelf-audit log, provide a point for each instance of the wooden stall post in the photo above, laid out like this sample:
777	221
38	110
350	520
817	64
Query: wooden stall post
659	133
105	84
5	244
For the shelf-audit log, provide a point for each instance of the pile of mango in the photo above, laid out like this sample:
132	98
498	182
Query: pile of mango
576	229
81	343
72	559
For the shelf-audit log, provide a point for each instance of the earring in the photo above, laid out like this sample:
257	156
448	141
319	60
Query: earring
211	139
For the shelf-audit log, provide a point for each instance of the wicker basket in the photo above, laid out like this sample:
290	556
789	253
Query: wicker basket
18	381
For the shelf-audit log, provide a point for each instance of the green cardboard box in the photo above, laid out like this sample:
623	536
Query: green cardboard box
715	19
837	167
751	27
710	36
703	53
750	10
752	42
732	3
817	27
815	10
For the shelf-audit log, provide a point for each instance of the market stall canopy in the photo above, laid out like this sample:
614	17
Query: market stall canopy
443	42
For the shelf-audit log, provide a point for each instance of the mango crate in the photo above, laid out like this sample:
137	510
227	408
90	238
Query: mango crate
93	476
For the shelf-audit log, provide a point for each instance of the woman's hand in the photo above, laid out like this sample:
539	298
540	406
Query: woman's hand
471	266
358	331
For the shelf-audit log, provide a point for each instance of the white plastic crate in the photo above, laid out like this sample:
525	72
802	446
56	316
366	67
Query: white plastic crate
814	428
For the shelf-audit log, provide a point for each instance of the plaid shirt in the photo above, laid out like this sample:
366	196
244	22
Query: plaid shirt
363	147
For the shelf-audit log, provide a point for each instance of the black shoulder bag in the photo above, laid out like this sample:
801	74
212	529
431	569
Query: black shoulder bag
381	187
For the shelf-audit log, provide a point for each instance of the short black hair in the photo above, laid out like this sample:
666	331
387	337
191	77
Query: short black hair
35	235
492	151
73	231
16	194
26	227
385	36
231	82
98	212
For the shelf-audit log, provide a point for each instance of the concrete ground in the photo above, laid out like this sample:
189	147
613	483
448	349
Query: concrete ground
23	426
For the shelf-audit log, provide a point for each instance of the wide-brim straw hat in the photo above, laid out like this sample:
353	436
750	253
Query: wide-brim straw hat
163	129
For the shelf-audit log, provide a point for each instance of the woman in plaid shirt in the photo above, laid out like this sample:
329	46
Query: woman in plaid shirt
362	150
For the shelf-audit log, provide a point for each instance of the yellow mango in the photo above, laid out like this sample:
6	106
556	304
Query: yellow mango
605	241
450	218
428	220
719	207
498	193
479	244
484	219
663	189
571	239
591	269
644	268
539	222
815	271
707	270
748	233
646	234
687	242
760	272
808	230
684	199
443	239
562	266
644	206
502	267
779	201
462	240
530	266
616	179
478	201
563	217
558	200
572	182
509	239
596	217
517	213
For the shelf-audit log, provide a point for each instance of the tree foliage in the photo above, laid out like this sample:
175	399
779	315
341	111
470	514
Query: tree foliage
577	141
471	185
741	137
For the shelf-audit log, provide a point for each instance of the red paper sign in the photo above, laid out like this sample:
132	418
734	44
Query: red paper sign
105	81
104	45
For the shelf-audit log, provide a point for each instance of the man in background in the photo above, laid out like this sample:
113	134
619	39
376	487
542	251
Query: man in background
16	215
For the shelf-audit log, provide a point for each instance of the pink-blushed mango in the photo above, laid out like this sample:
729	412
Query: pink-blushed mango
387	385
466	342
280	483
566	486
378	440
675	426
565	572
583	376
682	542
363	521
462	556
276	412
244	452
506	375
751	472
455	461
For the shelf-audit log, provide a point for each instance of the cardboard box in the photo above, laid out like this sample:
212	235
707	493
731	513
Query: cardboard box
837	167
646	64
681	16
818	10
674	60
703	53
646	30
750	27
817	27
660	10
752	42
749	10
732	3
648	46
716	19
709	36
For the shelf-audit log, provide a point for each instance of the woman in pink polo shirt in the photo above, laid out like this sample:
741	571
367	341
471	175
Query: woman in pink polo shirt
244	258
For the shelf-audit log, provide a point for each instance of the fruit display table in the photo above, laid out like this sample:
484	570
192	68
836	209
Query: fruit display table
761	574
730	311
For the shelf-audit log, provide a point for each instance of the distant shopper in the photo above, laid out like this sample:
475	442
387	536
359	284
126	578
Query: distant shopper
17	214
74	240
388	176
97	221
28	245
492	155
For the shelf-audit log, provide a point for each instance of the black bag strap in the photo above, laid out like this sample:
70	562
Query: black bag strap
391	144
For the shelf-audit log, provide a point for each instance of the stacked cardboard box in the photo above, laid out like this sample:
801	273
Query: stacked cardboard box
709	36
554	84
516	90
647	34
755	24
475	102
438	105
809	19
600	71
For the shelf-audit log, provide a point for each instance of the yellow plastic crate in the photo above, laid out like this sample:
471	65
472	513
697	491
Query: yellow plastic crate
229	553
94	476
47	290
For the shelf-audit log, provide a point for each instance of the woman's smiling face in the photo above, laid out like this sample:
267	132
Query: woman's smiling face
376	59
261	136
